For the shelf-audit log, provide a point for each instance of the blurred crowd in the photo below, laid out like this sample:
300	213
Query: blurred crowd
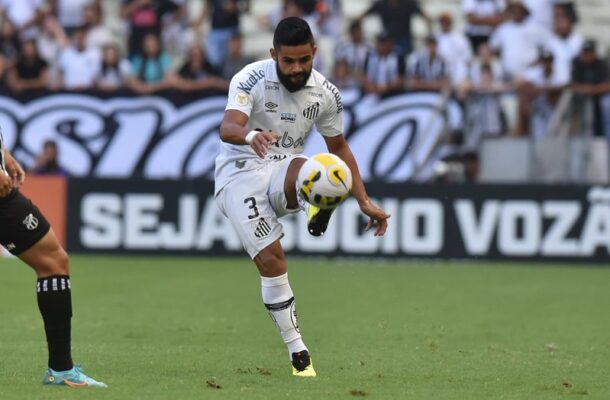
530	49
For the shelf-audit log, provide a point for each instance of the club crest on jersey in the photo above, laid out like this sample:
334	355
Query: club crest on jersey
30	222
312	110
262	229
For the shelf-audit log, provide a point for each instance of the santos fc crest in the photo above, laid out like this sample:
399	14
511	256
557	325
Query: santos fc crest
312	111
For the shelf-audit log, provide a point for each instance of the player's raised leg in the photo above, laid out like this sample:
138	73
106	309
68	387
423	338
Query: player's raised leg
51	263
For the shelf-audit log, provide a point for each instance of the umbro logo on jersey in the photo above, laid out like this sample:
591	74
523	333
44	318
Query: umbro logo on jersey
270	107
312	111
262	229
11	246
30	222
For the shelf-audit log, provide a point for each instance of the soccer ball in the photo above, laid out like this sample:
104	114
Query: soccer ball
324	180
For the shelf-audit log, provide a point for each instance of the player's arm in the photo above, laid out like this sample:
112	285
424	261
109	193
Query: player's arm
233	130
338	145
5	184
16	173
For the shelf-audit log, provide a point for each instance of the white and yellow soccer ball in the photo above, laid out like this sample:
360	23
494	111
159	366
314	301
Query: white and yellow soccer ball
324	180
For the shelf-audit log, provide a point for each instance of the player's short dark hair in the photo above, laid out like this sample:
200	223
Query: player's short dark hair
292	31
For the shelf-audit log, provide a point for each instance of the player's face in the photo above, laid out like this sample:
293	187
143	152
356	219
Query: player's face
294	65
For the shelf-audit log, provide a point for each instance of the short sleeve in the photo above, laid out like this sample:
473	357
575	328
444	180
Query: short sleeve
330	121
241	97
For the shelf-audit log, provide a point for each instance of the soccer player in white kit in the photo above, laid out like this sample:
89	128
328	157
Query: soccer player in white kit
272	107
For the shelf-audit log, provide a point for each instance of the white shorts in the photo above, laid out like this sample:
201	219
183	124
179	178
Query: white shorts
254	202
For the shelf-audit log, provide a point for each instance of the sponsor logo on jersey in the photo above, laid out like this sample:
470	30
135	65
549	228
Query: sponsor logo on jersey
272	86
270	107
316	94
289	117
262	229
30	222
312	110
335	92
287	141
253	78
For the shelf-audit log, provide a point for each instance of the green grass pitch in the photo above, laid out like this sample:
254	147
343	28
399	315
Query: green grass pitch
171	328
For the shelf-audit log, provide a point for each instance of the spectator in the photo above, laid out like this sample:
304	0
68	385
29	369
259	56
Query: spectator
30	71
354	51
454	48
198	74
47	163
590	77
9	47
50	45
566	7
98	35
541	12
71	13
518	40
176	37
482	17
225	22
384	69
396	19
483	111
115	71
151	69
236	60
342	77
23	14
427	69
485	56
146	16
539	91
565	43
78	65
331	17
482	93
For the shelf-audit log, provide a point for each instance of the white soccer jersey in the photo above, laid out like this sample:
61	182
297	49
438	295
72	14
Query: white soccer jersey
257	92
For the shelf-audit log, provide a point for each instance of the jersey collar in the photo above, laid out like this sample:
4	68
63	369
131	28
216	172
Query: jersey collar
271	75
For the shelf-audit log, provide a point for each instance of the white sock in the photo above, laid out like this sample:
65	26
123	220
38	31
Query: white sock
278	298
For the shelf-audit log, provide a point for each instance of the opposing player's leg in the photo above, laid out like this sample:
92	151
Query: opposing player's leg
51	264
33	241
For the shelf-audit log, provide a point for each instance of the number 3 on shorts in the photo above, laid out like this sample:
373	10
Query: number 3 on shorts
252	207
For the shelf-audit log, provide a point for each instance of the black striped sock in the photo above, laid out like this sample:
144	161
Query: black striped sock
55	305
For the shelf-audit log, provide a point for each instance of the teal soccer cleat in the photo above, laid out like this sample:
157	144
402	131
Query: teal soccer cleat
74	377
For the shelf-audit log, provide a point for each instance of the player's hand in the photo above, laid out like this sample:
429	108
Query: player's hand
16	173
5	184
377	217
263	141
